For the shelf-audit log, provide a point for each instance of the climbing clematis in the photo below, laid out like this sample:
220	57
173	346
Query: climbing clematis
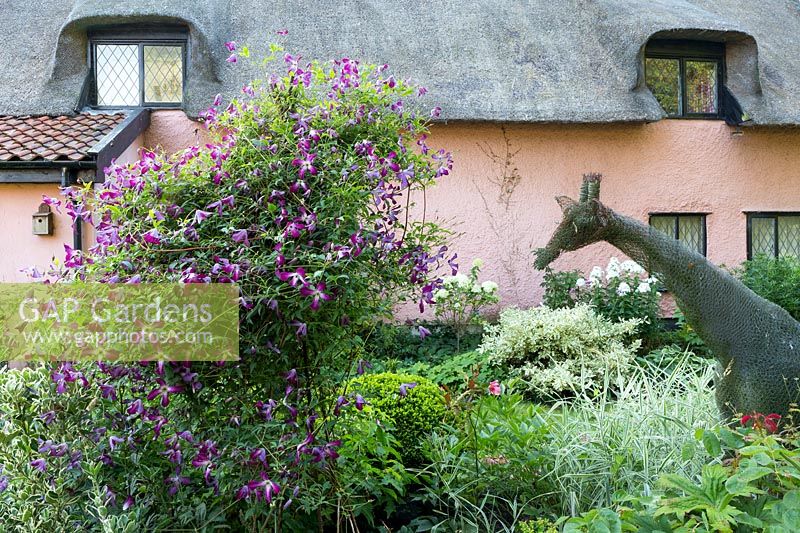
163	390
240	236
306	165
317	292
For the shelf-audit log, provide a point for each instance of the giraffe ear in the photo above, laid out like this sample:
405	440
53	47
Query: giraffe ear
565	202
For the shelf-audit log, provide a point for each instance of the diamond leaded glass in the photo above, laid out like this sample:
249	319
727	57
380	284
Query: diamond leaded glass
663	80
762	236
117	74
163	73
690	231
664	223
701	87
789	235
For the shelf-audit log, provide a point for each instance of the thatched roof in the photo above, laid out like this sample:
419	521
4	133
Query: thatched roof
498	60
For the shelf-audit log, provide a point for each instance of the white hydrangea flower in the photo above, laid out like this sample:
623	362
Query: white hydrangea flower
595	275
643	287
631	266
581	283
623	289
489	286
440	295
477	263
476	289
651	280
449	281
462	280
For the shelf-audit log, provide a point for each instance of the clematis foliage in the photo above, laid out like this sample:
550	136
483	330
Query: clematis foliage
302	199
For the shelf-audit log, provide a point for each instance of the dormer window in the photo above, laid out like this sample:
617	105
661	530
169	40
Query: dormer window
685	77
138	68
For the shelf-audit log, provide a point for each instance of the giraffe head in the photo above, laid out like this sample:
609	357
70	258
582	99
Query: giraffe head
585	222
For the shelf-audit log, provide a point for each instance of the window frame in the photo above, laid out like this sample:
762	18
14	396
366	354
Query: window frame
703	224
683	51
140	36
766	214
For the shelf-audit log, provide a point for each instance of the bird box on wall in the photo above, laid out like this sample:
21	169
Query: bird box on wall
43	221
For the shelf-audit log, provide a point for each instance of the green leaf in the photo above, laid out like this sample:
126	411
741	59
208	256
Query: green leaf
711	444
739	483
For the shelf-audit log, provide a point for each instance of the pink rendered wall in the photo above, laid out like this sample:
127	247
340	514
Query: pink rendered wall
172	130
500	195
499	198
19	247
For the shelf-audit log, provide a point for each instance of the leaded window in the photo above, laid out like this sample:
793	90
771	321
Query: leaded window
138	70
774	234
685	77
687	228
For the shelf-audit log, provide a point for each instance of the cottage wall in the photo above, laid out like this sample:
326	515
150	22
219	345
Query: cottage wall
499	198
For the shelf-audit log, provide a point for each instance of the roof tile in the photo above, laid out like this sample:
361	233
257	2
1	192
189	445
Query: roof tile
53	138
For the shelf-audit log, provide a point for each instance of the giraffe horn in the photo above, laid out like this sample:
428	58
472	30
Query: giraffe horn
584	196
592	183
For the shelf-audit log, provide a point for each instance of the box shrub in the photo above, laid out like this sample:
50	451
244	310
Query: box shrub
413	404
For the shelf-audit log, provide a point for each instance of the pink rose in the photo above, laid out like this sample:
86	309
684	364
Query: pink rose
495	388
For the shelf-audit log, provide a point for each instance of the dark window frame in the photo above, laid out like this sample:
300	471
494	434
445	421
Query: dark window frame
766	214
687	50
677	215
141	36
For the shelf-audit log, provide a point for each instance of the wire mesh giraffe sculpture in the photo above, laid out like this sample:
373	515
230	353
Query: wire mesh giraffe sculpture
756	343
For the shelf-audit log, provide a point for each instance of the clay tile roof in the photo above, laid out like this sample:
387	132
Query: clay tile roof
53	138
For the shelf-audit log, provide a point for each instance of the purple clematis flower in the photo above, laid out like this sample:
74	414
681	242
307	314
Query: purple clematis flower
240	236
163	390
301	327
128	503
306	165
423	332
295	279
152	237
362	365
405	387
114	441
200	216
360	402
176	481
317	293
39	464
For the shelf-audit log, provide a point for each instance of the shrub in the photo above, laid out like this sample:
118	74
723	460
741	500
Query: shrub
620	292
413	405
776	279
489	473
456	371
300	200
560	351
401	345
462	298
